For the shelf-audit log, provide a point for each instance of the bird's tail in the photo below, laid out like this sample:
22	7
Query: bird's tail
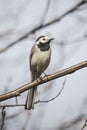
31	97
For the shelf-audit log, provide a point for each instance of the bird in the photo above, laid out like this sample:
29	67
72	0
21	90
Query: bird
40	56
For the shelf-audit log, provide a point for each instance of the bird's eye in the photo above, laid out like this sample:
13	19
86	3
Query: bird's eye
43	39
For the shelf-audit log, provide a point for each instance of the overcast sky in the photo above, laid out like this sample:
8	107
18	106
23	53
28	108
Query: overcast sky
69	47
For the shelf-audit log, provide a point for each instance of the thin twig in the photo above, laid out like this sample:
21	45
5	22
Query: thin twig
45	79
3	117
43	26
36	102
39	101
12	105
45	13
85	125
71	124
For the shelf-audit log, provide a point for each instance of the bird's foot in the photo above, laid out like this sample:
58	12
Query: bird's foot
39	79
46	75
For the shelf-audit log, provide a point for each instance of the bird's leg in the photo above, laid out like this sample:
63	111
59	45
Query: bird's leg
46	75
41	78
38	79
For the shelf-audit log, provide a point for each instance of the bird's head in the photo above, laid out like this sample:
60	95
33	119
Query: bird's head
43	40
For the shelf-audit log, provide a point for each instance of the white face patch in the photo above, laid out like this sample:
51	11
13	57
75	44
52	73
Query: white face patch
43	40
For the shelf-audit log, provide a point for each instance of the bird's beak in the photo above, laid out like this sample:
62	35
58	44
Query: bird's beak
51	39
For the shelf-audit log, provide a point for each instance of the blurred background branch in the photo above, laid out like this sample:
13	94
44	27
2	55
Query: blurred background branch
42	25
85	125
21	22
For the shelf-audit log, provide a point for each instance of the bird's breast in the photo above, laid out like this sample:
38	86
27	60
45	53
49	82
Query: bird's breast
40	60
41	57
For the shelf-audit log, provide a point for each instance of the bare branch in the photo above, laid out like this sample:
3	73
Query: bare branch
3	117
45	79
45	12
19	105
12	105
70	124
85	125
43	25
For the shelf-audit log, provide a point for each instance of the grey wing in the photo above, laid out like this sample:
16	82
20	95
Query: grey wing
31	54
32	66
30	96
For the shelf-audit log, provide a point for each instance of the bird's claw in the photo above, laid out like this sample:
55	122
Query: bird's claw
46	75
39	79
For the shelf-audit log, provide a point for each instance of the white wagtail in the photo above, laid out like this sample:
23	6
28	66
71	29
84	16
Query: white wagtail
39	60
